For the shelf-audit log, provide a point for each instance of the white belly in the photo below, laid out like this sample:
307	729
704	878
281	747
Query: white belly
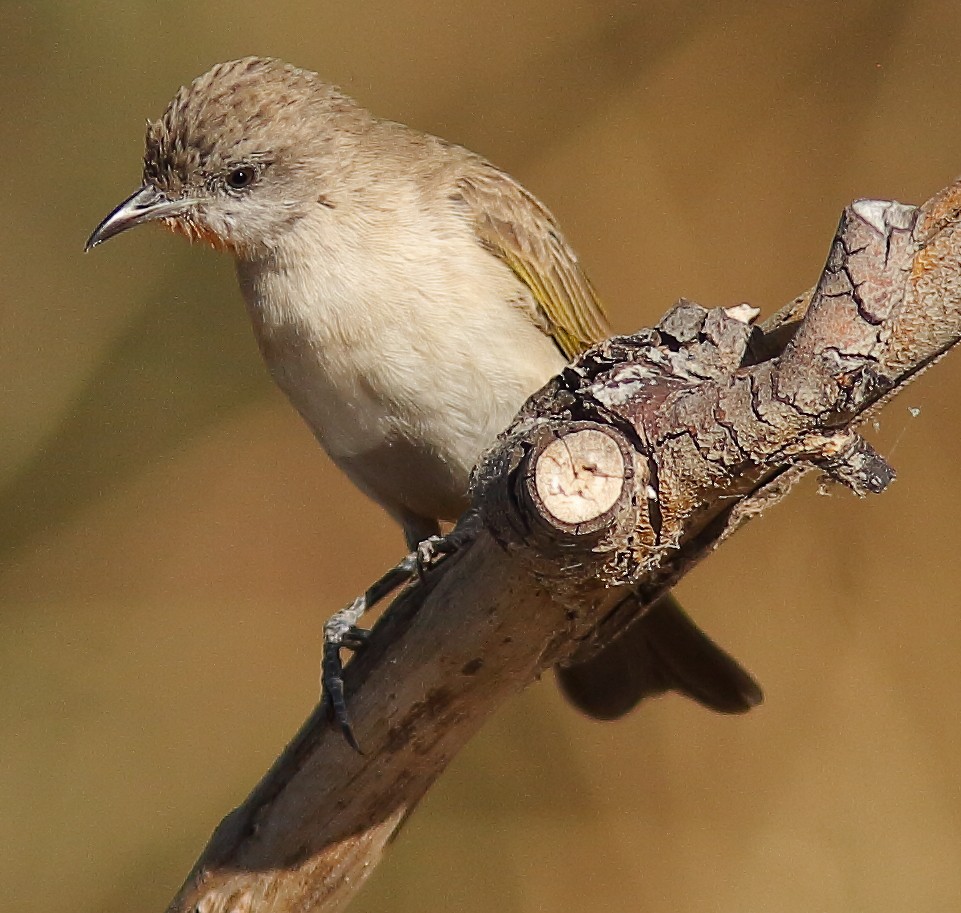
405	372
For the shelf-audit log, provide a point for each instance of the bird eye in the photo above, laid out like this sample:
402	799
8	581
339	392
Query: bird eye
241	177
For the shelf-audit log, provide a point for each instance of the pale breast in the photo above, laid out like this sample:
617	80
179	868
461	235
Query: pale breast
402	351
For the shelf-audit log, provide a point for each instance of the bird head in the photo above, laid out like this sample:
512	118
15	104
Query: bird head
240	156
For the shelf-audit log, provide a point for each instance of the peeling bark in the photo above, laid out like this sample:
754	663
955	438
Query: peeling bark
621	474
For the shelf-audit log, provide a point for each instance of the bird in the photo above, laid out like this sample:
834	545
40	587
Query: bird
407	296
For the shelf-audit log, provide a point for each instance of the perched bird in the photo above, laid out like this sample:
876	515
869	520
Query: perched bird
407	296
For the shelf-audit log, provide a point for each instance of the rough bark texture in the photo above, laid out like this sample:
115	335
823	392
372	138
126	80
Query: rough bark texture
623	472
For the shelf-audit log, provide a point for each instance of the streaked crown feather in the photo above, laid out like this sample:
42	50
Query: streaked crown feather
237	111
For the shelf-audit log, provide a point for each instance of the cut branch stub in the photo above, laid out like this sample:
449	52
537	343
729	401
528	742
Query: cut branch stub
581	489
577	480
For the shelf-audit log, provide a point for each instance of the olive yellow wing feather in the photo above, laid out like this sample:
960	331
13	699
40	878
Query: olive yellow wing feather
517	228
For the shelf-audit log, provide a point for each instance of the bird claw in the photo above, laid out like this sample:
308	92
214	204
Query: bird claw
434	549
341	632
428	553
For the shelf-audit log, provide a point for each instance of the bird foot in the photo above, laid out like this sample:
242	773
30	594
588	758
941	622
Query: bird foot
341	632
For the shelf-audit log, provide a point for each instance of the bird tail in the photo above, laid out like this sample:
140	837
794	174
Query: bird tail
662	650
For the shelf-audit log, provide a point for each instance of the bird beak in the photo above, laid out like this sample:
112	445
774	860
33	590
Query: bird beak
145	205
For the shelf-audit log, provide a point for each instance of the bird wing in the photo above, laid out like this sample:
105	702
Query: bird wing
517	228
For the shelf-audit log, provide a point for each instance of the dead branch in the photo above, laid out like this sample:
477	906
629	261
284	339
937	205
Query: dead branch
627	469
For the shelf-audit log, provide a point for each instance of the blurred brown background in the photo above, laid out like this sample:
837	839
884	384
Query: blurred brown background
172	538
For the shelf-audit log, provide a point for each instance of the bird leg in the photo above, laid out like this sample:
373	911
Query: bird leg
341	632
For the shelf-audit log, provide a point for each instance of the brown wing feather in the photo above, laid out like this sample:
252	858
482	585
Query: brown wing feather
516	227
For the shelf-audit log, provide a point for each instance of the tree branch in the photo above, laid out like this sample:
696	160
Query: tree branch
620	475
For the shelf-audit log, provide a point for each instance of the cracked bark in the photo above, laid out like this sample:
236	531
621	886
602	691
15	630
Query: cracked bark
623	472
